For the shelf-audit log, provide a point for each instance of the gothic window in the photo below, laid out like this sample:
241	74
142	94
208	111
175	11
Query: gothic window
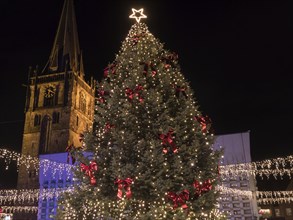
45	134
82	102
55	117
49	96
288	211
37	120
89	108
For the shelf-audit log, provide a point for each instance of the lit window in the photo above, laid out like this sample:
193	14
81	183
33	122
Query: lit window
247	211
233	185
237	212
246	204
37	120
288	211
82	102
236	205
277	212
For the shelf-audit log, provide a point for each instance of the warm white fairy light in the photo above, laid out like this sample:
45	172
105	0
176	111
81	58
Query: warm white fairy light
32	195
26	209
30	162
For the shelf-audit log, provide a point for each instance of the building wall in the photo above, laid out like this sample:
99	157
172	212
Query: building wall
52	178
237	150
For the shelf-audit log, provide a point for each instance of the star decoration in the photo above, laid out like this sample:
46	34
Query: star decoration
134	14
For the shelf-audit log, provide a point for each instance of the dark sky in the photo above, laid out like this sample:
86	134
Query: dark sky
237	56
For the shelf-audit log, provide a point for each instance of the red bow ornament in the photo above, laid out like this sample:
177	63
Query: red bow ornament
203	121
201	188
110	69
180	90
89	171
148	66
124	184
131	93
167	141
169	60
108	126
179	199
102	93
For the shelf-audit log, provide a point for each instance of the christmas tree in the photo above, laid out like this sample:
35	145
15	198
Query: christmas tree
151	148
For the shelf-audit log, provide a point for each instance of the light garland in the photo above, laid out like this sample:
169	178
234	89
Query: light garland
274	194
31	195
277	167
30	162
27	209
21	159
274	200
232	191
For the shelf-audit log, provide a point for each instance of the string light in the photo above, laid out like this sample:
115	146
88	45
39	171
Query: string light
24	195
26	209
30	162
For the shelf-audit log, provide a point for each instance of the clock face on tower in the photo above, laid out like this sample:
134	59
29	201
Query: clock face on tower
49	91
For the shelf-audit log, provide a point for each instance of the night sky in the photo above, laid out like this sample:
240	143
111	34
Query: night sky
237	57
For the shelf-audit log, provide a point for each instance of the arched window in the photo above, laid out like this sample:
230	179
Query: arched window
37	120
55	117
82	102
45	135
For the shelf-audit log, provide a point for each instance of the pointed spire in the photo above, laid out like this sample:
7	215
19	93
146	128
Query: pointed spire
66	44
81	68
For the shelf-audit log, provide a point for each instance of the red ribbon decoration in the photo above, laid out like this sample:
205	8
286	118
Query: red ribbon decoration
146	68
168	60
203	121
102	93
179	199
178	90
108	126
69	154
126	185
136	37
205	187
131	93
89	171
110	69
167	140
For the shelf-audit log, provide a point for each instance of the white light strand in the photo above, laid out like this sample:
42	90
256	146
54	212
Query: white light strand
232	191
277	167
21	159
31	195
274	200
27	209
248	169
274	194
30	162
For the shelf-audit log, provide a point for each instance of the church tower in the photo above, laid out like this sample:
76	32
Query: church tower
59	103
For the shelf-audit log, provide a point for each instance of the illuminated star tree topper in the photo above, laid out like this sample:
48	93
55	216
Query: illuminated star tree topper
137	14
